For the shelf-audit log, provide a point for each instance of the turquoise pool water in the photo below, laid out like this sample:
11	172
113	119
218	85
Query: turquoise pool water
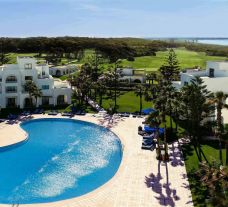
61	159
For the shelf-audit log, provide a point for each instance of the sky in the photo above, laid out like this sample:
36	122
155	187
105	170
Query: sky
114	18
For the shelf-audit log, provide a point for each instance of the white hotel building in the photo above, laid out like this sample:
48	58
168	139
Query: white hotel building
14	76
215	77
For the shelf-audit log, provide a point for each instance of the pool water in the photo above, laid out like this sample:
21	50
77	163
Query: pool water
61	159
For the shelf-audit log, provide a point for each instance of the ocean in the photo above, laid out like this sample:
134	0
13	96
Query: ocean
214	42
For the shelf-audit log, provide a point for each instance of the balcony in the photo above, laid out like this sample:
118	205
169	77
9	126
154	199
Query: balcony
11	79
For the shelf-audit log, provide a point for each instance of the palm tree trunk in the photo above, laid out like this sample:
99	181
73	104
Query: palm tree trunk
171	122
100	102
36	102
226	153
220	151
196	150
176	119
95	94
140	104
219	123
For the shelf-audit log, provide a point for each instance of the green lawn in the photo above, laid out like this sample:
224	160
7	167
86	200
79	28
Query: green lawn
126	101
187	59
13	56
191	162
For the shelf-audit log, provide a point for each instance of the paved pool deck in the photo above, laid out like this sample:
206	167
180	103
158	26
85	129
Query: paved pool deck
141	180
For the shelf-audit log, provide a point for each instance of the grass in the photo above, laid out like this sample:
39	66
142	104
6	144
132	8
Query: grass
127	101
187	59
211	151
13	56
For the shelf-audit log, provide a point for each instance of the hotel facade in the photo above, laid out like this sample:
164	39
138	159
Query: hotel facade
14	76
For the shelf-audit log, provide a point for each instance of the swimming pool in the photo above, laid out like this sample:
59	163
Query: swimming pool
61	159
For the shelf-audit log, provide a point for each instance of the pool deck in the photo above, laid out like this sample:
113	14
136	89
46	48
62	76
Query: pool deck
141	180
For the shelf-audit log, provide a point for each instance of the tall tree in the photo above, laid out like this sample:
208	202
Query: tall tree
169	72
4	57
161	104
196	108
219	100
101	87
139	91
117	74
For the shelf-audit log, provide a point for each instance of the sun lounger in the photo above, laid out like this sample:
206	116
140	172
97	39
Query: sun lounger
151	136
38	111
53	113
148	144
12	116
25	113
82	113
65	113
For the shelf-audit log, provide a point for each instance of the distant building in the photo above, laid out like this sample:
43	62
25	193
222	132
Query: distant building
131	75
62	70
14	76
215	76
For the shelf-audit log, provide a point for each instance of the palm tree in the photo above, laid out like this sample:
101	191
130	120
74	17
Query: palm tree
220	102
101	87
154	120
37	93
214	178
139	90
116	79
32	90
161	103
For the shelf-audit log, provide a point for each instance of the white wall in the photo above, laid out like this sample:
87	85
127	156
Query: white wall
20	72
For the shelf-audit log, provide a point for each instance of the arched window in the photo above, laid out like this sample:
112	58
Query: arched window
11	79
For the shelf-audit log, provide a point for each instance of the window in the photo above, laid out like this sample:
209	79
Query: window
11	79
211	72
60	100
11	89
11	102
45	100
28	66
43	73
28	78
45	87
0	79
185	83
